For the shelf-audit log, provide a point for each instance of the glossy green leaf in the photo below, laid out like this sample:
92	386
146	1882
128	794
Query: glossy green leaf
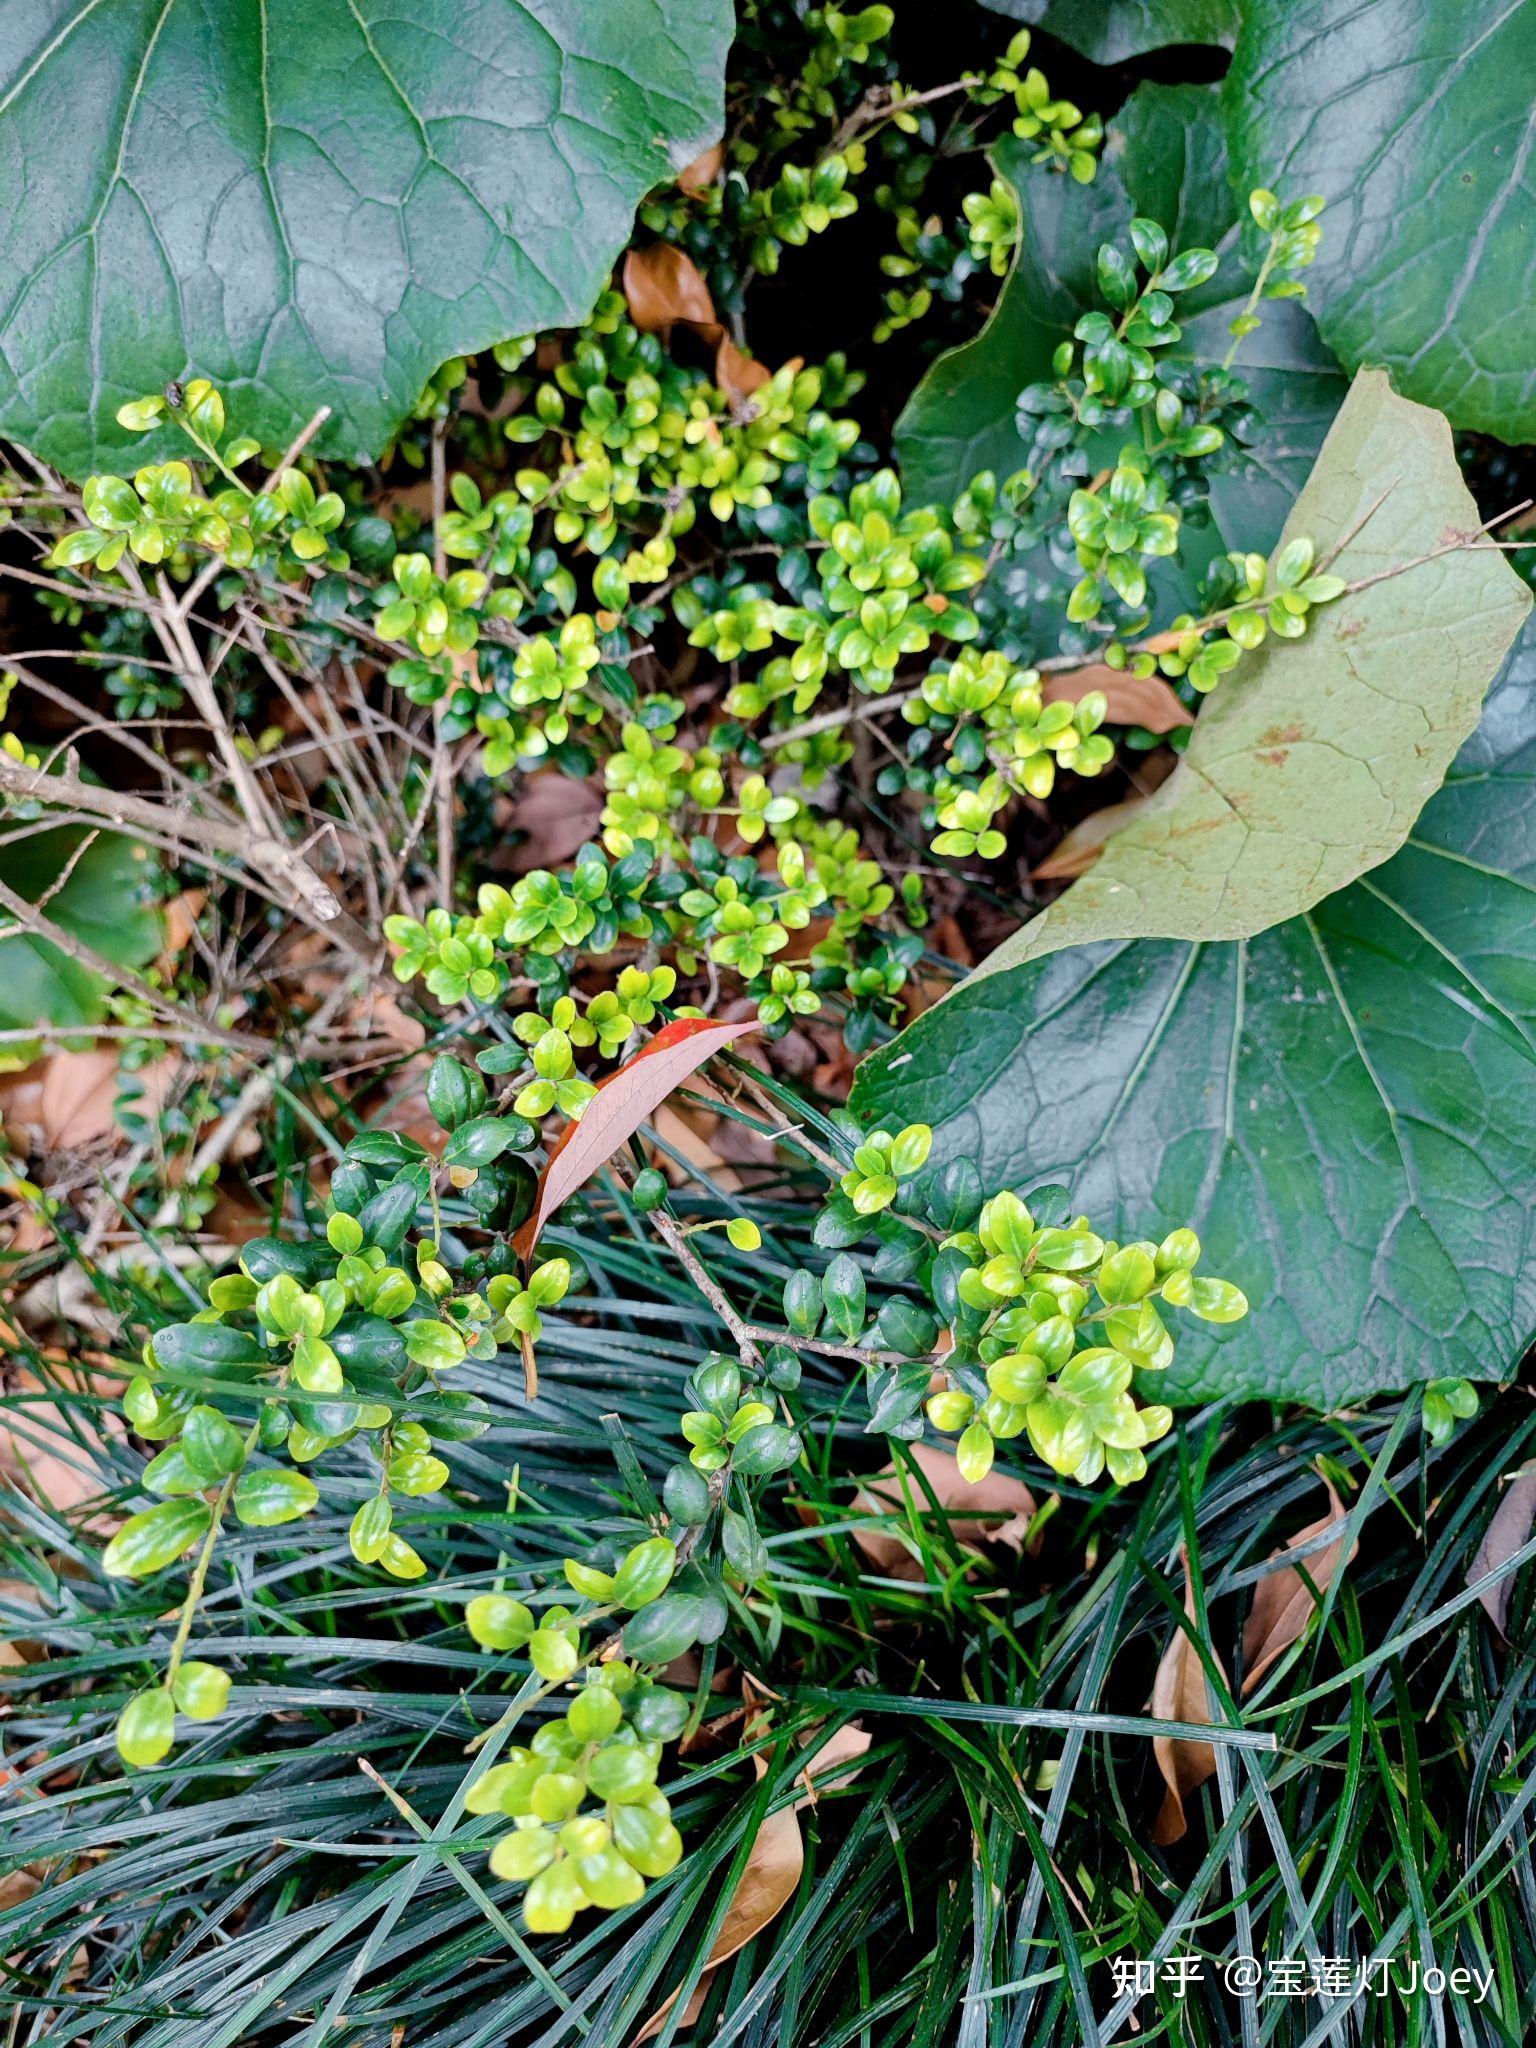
269	1495
645	1572
1308	766
368	1344
454	1092
211	1348
149	1541
104	901
481	1140
1413	120
386	1216
317	200
664	1629
1165	158
1344	1107
211	1445
1109	31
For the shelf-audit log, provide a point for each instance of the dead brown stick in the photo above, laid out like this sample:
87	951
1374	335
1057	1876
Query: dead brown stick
178	830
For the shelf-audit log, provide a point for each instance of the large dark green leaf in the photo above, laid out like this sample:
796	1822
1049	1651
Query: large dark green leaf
1109	31
1414	120
1310	765
317	200
1165	157
99	895
1344	1107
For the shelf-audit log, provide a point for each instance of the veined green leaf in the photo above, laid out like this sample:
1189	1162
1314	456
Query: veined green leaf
1109	31
103	900
1413	120
317	200
1344	1107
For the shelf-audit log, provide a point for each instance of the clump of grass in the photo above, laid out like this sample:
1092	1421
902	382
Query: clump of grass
974	1880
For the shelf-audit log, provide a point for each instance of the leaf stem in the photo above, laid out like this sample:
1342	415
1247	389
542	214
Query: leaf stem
199	1577
1254	296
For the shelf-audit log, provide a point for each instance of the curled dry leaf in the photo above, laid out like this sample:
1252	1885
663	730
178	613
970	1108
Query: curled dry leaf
698	176
623	1102
952	942
1081	847
691	1132
64	1102
1179	1694
558	814
1146	701
16	1887
665	287
16	1648
1284	1603
178	923
75	1102
996	1509
405	1107
235	1219
772	1872
1509	1531
1077	851
378	1015
846	1746
737	373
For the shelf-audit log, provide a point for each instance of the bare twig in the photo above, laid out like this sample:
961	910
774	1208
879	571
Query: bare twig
178	831
669	1232
882	103
30	919
857	1352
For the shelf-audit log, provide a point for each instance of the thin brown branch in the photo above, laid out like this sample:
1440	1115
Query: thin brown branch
673	1236
30	919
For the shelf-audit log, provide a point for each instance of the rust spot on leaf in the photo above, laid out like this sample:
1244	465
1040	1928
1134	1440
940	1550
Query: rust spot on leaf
1196	825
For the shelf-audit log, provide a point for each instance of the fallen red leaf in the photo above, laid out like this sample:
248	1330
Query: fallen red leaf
621	1105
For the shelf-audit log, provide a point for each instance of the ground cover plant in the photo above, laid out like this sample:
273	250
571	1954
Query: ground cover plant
766	1021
